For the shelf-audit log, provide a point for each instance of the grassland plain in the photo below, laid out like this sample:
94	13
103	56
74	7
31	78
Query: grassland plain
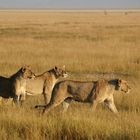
92	45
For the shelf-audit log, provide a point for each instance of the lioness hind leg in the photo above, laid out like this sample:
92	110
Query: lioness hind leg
16	99
22	98
40	106
52	105
66	104
48	107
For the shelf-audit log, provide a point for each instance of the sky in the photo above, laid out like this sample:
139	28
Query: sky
71	4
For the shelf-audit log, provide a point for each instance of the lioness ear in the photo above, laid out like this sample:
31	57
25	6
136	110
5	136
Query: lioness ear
119	81
28	66
23	69
55	68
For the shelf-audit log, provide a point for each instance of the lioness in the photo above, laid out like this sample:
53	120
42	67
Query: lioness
15	86
92	92
44	83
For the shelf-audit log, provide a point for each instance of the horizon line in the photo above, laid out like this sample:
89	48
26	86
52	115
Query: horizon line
72	9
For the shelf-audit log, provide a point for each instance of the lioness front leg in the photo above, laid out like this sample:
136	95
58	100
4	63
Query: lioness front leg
22	98
16	99
47	98
94	105
110	104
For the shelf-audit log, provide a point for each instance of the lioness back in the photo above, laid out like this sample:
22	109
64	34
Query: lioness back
35	86
78	90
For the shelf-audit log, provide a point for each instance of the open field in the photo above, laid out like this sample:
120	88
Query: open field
92	45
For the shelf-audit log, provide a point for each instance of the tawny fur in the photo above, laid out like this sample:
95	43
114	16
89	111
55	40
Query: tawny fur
91	92
44	83
15	85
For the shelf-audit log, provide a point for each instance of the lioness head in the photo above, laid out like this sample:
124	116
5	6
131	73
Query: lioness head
27	73
122	85
60	72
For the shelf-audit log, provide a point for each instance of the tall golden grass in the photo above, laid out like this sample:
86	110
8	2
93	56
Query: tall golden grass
90	43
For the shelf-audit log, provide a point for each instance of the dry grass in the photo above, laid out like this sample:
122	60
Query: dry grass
86	43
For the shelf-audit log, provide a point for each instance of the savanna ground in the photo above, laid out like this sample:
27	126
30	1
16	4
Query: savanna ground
92	45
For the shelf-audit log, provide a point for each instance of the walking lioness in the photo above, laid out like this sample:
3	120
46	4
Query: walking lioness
15	86
44	83
92	92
